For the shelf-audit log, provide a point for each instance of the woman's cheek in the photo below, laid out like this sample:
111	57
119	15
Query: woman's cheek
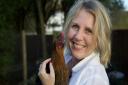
71	33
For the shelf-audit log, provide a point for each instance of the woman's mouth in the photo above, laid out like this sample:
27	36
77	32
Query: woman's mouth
77	45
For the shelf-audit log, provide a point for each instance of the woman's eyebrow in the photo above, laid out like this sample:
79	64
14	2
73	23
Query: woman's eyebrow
75	23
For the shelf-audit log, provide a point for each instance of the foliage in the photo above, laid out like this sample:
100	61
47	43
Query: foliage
113	5
8	35
120	20
110	4
66	4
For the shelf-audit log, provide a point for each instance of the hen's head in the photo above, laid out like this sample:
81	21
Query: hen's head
58	47
60	40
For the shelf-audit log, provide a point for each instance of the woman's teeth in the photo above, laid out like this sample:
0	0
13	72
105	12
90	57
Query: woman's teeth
79	46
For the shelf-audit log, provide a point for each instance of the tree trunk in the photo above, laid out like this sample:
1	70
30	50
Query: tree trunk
40	26
24	56
20	24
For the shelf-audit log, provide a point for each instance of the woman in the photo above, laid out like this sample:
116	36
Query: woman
88	48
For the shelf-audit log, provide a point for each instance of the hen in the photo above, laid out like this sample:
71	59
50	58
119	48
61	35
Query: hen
61	70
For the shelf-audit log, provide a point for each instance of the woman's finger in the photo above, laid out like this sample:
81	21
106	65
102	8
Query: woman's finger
42	68
44	64
52	73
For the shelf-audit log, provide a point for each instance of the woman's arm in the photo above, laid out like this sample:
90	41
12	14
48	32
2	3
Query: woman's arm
46	78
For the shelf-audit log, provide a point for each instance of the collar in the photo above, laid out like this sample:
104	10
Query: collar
85	61
93	57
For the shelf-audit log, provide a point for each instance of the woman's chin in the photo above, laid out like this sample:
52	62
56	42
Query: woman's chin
77	56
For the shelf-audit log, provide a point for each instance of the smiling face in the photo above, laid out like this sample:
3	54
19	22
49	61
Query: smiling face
81	39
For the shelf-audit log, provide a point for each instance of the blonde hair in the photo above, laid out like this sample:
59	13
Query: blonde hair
102	26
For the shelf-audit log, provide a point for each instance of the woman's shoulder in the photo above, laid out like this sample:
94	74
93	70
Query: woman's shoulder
96	73
95	68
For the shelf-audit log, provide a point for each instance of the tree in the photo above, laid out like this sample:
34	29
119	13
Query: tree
42	10
112	5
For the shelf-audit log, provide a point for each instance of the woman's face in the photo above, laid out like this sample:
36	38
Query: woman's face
81	39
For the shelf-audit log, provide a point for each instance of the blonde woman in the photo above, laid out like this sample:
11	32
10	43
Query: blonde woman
88	47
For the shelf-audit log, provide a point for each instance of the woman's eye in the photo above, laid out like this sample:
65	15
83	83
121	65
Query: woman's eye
88	31
75	27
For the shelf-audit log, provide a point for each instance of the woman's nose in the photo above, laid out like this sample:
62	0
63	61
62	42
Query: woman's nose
78	36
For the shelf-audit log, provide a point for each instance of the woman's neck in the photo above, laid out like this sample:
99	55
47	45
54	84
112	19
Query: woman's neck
72	63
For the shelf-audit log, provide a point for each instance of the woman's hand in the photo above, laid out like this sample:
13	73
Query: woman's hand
47	78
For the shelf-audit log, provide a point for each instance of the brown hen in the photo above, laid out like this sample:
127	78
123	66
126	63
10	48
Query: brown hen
61	70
